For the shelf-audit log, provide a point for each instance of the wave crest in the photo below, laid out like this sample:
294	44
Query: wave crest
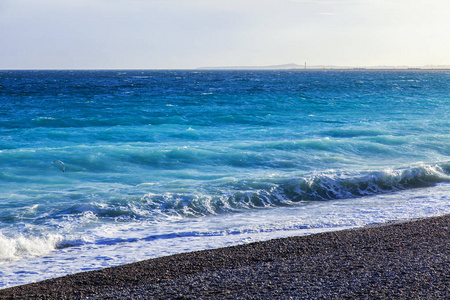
319	187
21	247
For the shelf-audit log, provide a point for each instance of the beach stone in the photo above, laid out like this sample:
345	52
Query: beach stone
409	260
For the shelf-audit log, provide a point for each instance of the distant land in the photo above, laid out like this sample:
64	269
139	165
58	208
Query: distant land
293	66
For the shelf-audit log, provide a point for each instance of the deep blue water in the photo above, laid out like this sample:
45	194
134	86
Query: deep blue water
201	159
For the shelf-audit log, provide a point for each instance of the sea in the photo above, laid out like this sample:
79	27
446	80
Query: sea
100	168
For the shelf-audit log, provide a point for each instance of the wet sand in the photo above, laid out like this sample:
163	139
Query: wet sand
409	260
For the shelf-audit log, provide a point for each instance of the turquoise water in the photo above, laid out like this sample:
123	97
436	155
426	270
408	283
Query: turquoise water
99	168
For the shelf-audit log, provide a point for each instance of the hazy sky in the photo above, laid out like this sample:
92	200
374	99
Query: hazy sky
155	34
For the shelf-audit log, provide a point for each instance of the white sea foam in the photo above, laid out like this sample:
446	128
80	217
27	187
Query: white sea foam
21	247
117	243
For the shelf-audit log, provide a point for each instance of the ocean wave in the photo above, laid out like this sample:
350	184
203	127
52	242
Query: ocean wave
213	197
21	247
227	195
324	186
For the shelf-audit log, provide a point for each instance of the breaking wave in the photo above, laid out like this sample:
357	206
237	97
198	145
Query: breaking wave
320	187
20	247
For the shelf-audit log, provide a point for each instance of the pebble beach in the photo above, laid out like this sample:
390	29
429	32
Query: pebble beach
401	260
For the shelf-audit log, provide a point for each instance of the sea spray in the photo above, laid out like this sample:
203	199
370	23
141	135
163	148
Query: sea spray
22	247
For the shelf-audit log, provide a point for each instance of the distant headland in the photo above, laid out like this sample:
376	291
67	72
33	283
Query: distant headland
293	66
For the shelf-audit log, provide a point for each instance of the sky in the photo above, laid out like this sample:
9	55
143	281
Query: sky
186	34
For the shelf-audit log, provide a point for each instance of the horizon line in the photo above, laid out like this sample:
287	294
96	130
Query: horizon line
291	66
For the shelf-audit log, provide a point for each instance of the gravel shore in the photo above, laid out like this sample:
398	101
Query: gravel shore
409	260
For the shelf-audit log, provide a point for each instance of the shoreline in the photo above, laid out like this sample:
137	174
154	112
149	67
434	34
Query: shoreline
407	259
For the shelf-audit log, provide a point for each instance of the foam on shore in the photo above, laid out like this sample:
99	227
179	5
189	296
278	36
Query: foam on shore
403	259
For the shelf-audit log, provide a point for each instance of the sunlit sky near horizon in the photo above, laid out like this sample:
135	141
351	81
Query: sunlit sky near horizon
183	34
